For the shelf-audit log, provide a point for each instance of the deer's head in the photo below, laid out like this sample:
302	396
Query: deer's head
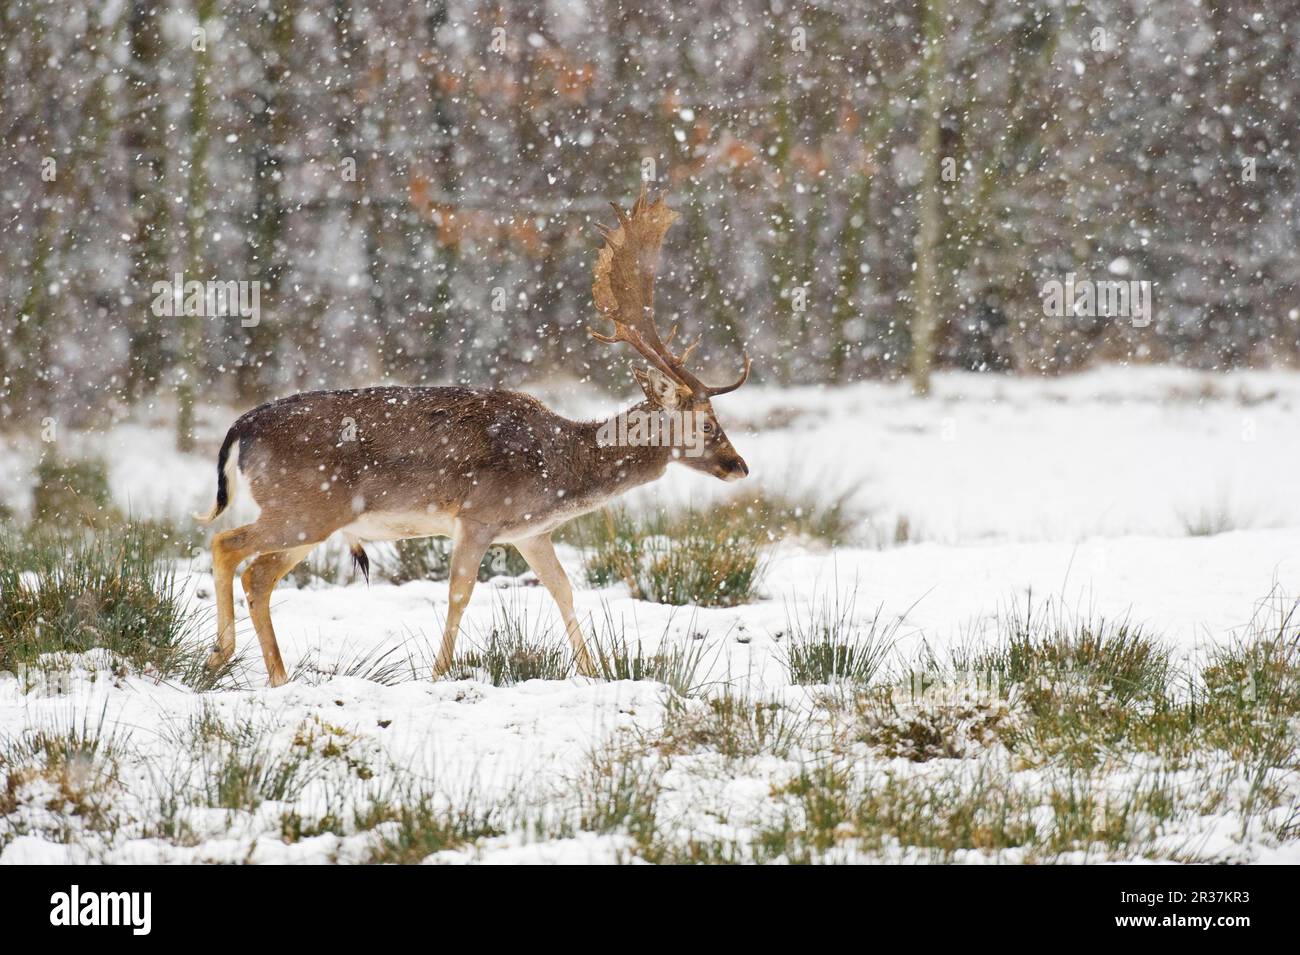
623	289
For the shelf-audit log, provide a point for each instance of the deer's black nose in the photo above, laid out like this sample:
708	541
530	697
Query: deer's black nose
740	468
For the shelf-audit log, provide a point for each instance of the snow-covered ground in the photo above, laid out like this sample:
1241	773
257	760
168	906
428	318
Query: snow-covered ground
1084	491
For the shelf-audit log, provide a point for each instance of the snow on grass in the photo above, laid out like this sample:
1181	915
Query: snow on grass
1085	496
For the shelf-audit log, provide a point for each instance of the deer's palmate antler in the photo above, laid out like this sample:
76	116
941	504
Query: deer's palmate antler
482	466
623	288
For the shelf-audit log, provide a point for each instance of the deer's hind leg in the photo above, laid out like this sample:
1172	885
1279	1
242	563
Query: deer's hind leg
228	549
259	581
268	535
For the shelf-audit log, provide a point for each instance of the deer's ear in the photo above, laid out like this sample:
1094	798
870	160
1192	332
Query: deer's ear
659	388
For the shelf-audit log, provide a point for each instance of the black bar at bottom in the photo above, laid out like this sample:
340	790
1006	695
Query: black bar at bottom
338	905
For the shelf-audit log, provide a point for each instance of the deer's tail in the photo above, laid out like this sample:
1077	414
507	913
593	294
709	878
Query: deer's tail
224	463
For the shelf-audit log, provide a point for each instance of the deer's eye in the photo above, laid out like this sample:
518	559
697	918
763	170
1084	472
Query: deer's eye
707	428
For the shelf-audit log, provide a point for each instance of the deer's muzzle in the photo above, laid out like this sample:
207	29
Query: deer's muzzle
734	470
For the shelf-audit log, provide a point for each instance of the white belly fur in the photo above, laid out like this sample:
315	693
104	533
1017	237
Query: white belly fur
401	525
398	525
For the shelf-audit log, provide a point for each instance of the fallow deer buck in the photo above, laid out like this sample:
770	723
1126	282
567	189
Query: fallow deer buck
479	465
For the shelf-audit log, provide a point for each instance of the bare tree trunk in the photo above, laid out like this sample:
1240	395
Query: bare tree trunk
847	305
437	361
266	232
196	190
148	200
926	246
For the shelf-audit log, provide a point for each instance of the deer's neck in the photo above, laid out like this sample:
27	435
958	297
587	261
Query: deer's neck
614	461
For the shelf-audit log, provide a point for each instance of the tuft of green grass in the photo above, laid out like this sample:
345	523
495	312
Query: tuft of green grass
1209	520
387	666
1087	692
1049	645
320	777
1086	816
831	809
1249	693
239	764
243	768
60	743
833	814
710	559
1085	688
617	658
734	726
415	826
827	644
618	791
70	593
512	653
71	767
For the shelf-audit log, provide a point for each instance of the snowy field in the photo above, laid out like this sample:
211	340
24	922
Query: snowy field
1165	498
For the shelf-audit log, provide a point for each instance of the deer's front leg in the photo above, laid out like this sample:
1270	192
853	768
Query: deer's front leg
469	542
540	554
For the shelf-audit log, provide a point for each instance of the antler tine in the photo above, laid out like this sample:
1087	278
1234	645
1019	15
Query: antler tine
624	333
641	199
623	282
623	290
686	352
724	389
